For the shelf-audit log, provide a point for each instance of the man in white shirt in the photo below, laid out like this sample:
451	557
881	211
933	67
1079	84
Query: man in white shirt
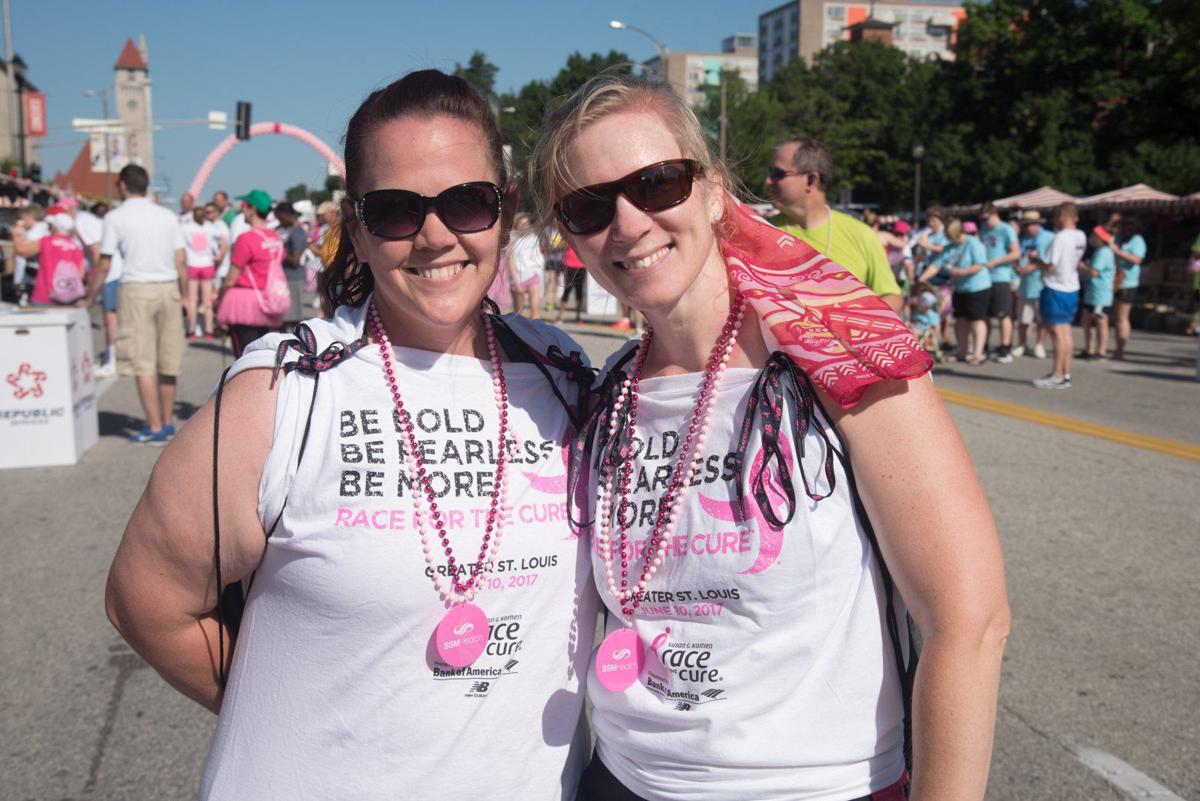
223	237
1060	293
150	344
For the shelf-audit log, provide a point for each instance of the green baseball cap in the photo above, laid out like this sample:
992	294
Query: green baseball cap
257	198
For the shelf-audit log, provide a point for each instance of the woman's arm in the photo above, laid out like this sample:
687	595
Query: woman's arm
161	592
939	541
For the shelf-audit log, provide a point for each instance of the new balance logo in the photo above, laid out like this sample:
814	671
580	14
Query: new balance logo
683	706
480	687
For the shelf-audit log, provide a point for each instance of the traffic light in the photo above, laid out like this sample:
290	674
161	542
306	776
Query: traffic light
243	120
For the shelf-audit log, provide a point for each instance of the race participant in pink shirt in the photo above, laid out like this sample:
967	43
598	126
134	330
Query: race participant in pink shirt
201	245
59	280
758	478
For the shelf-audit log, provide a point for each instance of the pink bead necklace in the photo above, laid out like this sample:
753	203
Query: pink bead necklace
454	590
616	483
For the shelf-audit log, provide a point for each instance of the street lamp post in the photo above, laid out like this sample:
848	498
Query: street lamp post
918	152
663	52
103	94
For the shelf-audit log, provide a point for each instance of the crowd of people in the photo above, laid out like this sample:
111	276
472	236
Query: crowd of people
166	278
978	288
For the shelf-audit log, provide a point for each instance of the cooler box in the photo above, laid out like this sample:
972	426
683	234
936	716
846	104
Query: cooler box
47	392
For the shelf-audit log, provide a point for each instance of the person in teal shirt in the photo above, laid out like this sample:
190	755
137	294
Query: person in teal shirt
965	259
1098	295
1130	255
1000	244
1035	251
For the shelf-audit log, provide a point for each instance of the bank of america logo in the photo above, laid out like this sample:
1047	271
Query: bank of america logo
712	694
510	664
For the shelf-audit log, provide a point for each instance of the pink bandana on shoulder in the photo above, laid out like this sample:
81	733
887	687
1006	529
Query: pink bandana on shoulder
828	322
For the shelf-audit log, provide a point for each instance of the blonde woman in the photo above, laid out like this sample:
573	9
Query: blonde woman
760	474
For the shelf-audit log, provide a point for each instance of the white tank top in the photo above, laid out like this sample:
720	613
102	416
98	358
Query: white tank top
333	690
770	671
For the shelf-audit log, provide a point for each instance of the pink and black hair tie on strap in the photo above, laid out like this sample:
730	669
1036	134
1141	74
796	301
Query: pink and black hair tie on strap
310	362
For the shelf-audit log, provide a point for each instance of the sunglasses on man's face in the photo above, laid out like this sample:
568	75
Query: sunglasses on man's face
654	188
400	214
777	174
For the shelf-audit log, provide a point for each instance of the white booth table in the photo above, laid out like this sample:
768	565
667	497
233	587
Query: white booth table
47	391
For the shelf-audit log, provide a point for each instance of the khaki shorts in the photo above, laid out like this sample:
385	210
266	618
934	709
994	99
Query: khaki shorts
149	329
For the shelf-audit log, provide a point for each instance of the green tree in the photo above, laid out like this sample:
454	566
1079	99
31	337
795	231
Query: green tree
523	112
1081	95
480	74
294	193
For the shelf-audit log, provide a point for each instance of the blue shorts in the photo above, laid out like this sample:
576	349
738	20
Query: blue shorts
110	295
1058	308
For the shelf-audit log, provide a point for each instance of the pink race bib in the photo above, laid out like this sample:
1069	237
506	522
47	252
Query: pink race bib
462	635
619	660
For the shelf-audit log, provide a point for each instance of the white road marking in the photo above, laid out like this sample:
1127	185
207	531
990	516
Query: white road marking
1123	776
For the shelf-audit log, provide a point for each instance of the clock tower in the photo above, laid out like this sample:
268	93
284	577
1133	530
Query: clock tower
132	105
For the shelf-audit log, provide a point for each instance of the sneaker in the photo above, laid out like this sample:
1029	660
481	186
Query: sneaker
106	370
168	431
1018	351
1053	382
1004	358
148	437
1039	351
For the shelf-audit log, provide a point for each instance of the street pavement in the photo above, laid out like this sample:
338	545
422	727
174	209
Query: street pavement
1099	534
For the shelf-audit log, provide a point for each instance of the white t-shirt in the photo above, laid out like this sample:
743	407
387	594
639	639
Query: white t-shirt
525	253
90	229
147	236
199	242
221	231
780	678
35	233
333	692
1066	251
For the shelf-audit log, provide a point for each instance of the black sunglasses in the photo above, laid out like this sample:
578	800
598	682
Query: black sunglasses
400	214
777	174
654	188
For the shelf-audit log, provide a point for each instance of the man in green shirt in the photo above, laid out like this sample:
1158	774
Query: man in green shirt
797	180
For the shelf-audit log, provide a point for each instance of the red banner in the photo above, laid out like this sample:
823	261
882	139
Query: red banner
35	114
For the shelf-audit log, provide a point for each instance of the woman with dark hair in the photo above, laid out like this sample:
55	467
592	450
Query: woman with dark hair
773	483
418	610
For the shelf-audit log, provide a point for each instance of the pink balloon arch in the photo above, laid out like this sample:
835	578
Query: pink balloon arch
262	129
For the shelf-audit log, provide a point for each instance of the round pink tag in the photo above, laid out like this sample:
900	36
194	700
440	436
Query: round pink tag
619	660
462	635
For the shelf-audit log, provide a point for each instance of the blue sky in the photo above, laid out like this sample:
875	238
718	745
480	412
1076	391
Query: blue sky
311	63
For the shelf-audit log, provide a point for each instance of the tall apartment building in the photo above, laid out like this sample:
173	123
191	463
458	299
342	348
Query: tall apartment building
801	28
690	71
